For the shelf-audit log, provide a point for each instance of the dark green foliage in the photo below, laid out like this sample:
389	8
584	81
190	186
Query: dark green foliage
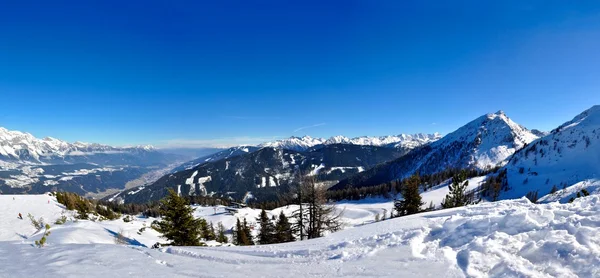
178	223
457	197
266	234
207	231
248	233
85	207
241	234
411	202
283	229
221	237
554	189
40	243
493	186
392	187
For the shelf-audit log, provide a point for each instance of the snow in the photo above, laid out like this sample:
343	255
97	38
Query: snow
495	137
343	169
15	143
403	140
316	169
567	156
512	238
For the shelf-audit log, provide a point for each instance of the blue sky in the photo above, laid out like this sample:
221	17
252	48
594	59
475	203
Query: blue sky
198	73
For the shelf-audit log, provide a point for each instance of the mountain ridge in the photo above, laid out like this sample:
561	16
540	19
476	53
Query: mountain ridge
483	143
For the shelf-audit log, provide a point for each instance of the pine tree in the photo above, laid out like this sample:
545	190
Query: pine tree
457	196
266	234
221	237
411	202
207	231
238	234
248	233
178	223
283	229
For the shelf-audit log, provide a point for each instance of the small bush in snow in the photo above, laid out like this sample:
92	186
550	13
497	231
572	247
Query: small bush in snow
38	224
40	243
120	238
61	220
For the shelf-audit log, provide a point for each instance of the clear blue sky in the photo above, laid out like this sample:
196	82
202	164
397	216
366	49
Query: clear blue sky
201	73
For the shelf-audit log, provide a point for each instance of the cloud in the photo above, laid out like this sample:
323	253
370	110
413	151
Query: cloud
310	126
433	123
216	142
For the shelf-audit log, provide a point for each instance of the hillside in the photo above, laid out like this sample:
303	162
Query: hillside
513	238
570	154
483	143
32	165
264	173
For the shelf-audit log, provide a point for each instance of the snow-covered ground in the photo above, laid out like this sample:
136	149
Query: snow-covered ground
512	238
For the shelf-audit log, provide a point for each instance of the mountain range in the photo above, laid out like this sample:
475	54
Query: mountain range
32	165
533	160
405	141
264	173
483	143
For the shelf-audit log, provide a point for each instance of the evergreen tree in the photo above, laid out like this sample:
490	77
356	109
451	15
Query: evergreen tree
207	231
457	196
248	233
283	229
237	233
221	237
266	234
242	235
178	223
411	202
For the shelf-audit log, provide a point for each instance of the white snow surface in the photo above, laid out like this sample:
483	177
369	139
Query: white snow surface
403	140
512	238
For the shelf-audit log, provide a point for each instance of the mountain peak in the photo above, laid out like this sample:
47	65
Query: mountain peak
17	145
589	117
406	141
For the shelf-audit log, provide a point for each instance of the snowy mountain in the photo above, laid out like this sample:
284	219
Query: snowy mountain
32	165
570	154
223	154
399	141
20	146
264	173
485	142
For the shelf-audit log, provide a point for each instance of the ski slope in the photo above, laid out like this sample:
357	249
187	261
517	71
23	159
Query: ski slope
512	238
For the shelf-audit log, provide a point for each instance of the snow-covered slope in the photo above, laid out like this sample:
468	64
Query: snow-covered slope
483	143
400	141
223	154
568	155
264	173
22	146
512	238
